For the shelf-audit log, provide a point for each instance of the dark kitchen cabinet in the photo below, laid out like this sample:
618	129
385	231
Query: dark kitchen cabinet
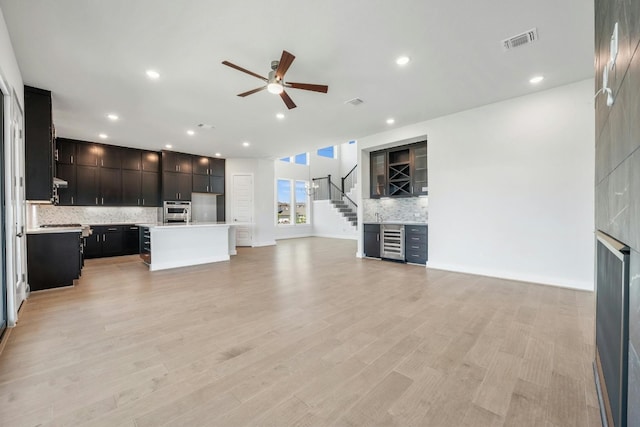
106	175
112	240
91	154
399	171
209	179
105	241
131	187
65	151
200	183
372	240
415	243
176	162
110	187
98	186
208	184
176	186
67	172
150	191
150	161
131	159
216	167
420	184
378	174
131	243
39	160
53	259
200	165
87	185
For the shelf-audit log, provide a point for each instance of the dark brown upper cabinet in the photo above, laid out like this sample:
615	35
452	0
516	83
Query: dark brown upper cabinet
399	171
39	159
176	162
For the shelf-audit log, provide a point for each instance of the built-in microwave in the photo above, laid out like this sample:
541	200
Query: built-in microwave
177	211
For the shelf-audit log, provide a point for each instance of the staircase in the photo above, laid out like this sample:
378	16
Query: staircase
346	211
342	197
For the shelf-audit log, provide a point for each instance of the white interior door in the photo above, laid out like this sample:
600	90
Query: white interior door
242	194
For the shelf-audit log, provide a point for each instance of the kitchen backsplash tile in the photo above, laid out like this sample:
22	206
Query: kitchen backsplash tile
49	214
400	209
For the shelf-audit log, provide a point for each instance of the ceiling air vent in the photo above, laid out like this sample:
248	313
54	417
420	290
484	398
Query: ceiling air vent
355	102
520	39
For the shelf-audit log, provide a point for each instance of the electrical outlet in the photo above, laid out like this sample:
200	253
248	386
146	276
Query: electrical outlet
417	215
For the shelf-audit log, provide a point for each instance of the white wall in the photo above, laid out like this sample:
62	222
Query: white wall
510	187
348	156
263	233
327	222
12	82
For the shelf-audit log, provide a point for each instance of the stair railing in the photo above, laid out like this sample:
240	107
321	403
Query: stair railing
349	180
327	190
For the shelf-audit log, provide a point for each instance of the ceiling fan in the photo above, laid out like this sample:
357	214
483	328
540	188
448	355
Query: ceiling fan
275	83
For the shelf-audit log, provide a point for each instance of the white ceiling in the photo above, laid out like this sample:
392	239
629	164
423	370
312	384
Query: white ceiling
93	54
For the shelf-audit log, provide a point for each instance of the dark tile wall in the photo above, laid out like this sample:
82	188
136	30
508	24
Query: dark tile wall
617	166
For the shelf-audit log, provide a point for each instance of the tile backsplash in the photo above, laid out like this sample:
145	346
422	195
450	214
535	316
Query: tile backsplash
49	214
410	209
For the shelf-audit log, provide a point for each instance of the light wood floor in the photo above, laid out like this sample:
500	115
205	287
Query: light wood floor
302	334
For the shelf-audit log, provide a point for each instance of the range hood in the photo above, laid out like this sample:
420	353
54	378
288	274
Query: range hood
60	183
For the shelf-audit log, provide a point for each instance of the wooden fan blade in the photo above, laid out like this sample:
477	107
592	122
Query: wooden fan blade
288	101
251	73
250	92
307	86
285	62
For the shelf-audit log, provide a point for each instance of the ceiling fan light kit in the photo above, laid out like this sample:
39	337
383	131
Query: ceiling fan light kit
275	83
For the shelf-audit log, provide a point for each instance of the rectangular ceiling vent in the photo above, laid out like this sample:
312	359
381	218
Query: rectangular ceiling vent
519	40
354	101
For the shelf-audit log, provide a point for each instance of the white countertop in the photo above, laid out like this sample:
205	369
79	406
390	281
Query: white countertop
160	225
47	230
396	222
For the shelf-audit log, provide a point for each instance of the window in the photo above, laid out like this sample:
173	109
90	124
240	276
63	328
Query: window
327	152
286	159
284	201
301	202
301	159
293	202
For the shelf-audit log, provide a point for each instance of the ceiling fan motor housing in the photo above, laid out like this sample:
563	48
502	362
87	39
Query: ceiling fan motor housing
274	65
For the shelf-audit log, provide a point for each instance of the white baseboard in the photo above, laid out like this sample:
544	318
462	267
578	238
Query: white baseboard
541	280
261	244
337	236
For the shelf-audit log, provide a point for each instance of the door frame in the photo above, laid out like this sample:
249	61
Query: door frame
15	207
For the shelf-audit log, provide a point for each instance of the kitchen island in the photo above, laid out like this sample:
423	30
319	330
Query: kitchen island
164	246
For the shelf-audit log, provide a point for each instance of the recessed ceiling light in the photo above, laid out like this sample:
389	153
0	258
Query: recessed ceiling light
190	132
403	60
280	116
246	144
168	146
391	121
153	74
113	117
218	154
536	80
103	135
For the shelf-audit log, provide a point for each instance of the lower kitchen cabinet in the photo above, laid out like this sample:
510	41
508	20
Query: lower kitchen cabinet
415	243
131	237
112	240
372	240
53	259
